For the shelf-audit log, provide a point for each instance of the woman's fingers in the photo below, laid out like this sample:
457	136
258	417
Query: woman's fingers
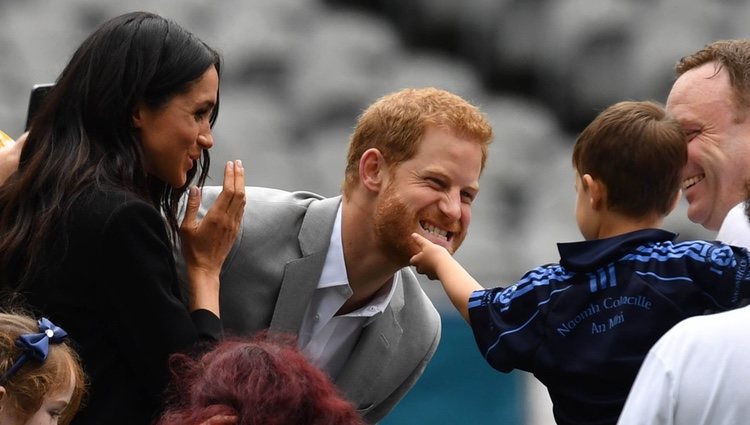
237	206
193	203
232	196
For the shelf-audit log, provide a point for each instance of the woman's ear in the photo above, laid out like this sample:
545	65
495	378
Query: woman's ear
372	169
138	115
2	396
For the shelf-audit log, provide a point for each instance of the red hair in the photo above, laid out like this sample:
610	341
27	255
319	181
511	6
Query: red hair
261	380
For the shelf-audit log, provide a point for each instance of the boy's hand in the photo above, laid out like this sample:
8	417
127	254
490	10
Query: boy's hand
429	257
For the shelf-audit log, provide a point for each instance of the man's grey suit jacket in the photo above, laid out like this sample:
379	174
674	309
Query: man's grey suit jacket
272	272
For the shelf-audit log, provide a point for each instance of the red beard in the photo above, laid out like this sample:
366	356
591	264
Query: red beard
394	223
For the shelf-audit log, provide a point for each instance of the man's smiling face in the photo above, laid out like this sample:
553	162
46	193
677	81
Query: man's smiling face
430	194
718	143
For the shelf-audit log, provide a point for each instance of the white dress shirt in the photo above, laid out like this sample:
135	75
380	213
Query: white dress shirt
327	339
696	374
735	229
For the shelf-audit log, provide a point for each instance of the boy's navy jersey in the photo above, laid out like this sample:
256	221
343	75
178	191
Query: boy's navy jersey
584	326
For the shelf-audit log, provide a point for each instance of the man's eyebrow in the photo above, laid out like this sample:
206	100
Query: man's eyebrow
472	187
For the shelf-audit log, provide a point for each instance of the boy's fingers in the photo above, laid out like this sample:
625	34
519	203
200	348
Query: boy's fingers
420	240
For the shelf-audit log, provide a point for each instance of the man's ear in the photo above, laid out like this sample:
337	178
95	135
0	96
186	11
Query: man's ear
596	190
372	169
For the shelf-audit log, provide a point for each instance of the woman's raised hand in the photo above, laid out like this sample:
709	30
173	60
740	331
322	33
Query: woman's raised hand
206	243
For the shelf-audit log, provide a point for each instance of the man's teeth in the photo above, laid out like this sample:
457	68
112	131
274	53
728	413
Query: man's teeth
688	183
436	231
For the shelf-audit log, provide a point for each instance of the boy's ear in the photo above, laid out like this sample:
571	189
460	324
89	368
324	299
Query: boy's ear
372	169
596	190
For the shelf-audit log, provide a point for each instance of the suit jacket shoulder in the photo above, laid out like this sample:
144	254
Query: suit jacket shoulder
278	249
393	351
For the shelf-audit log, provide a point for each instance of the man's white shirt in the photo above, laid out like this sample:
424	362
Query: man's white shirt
735	229
327	339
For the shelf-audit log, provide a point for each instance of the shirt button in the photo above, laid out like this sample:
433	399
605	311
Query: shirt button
317	317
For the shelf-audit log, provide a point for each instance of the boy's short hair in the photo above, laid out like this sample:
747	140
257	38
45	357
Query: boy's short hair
638	152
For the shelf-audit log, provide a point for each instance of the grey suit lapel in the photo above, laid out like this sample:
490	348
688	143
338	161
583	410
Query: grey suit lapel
301	276
372	354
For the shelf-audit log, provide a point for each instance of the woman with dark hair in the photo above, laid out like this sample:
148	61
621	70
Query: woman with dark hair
88	222
256	381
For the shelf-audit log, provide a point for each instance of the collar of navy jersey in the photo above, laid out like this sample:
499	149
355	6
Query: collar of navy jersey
586	256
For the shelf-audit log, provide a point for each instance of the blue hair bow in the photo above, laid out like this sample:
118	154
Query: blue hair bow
35	345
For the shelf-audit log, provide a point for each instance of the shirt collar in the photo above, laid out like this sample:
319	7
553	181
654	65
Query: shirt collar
381	300
334	269
585	256
334	275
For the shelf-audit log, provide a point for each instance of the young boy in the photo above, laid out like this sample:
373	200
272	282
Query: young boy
584	326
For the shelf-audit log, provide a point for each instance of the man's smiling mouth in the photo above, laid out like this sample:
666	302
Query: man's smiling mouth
436	231
692	181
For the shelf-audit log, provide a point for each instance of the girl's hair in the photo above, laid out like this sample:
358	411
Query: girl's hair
259	380
26	388
83	133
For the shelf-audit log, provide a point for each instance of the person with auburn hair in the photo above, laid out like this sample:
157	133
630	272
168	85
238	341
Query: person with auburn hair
584	326
258	380
335	271
41	379
89	219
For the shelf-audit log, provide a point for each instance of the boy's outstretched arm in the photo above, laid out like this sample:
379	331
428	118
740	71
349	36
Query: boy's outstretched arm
436	262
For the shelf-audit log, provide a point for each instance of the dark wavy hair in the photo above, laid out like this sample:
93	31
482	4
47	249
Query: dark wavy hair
260	380
84	134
